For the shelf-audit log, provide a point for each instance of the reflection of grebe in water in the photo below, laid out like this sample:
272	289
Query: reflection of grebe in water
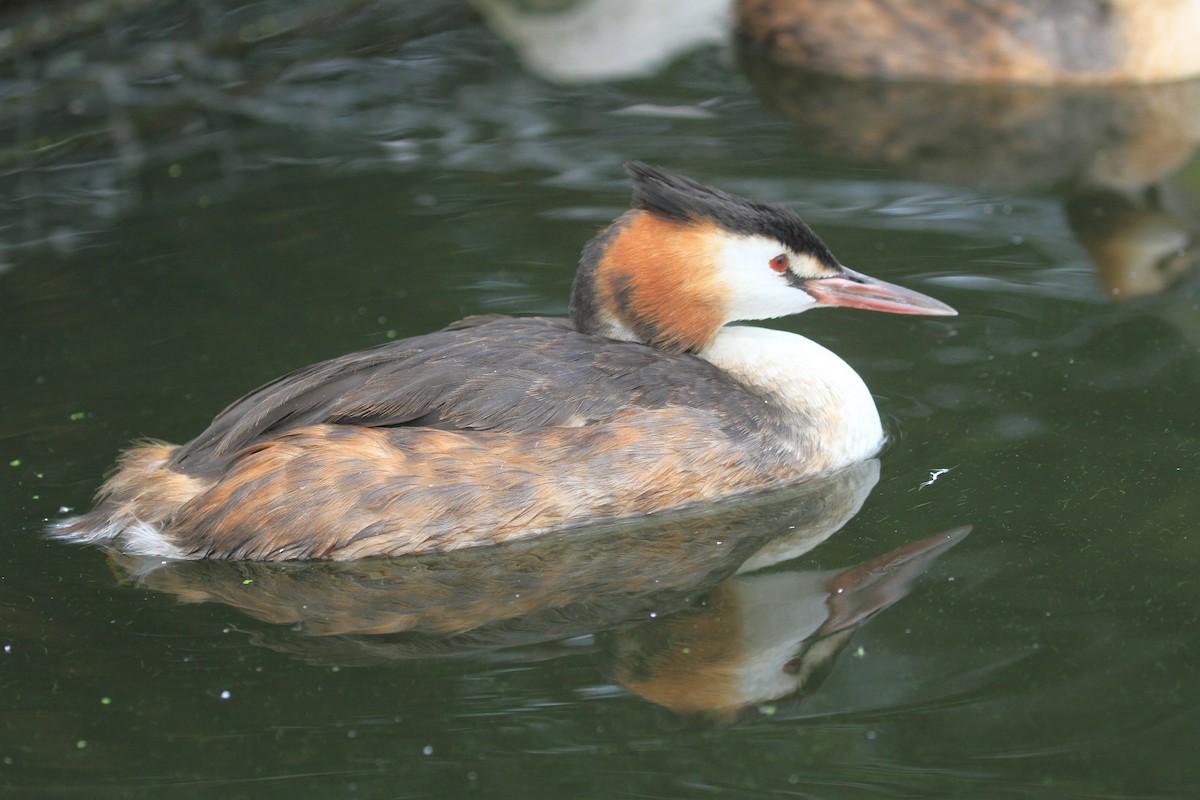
679	608
1139	244
761	637
1108	151
497	428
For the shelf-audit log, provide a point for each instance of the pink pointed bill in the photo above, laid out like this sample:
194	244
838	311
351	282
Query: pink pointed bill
855	290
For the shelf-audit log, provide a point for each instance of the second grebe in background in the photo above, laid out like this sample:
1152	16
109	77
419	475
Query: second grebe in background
497	428
1020	41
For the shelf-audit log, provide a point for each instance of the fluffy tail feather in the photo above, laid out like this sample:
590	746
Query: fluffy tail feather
134	503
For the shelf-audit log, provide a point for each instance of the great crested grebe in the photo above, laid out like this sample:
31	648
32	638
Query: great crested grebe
497	428
1020	41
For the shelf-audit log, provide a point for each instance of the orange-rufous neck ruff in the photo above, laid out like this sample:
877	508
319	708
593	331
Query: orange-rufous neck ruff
655	282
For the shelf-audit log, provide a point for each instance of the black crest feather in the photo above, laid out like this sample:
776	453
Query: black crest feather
681	199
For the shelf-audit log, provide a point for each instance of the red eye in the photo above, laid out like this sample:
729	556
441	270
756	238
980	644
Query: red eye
780	263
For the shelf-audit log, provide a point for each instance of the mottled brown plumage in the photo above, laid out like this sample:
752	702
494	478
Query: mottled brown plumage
1023	41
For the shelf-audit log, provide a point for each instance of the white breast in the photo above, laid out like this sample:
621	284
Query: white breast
803	377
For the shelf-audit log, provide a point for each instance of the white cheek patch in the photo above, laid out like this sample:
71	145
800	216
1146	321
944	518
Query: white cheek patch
753	288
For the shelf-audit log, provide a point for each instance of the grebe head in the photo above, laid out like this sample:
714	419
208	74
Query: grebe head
688	259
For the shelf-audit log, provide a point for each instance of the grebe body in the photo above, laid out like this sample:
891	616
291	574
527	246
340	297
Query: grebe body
496	428
1011	41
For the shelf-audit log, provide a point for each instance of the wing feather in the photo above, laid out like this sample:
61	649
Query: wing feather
487	373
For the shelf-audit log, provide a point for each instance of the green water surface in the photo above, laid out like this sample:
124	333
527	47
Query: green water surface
195	199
